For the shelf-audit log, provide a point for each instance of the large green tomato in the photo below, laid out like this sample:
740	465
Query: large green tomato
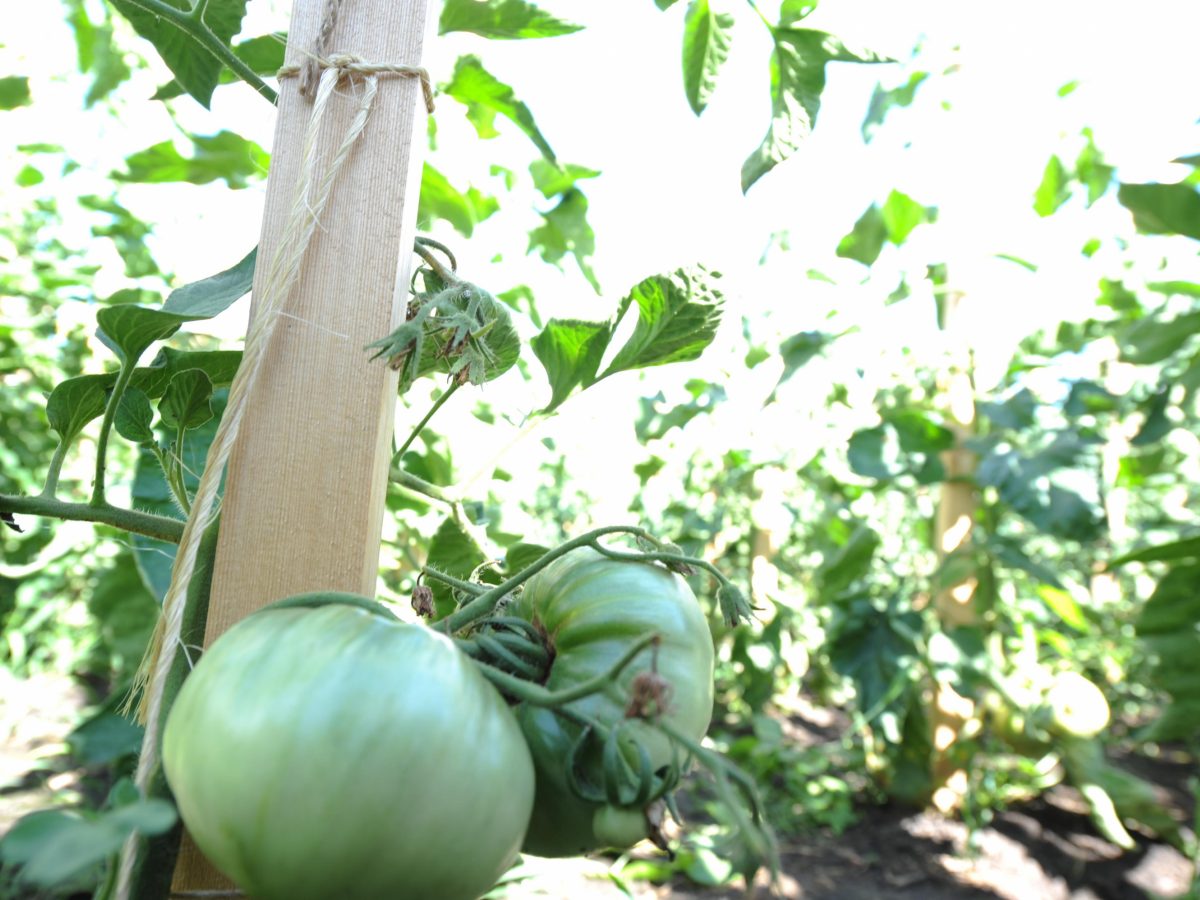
590	609
332	754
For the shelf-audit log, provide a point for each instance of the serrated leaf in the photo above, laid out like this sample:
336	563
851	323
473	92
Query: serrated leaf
14	92
441	200
865	241
129	330
192	64
224	155
134	415
797	80
570	351
706	40
553	179
486	97
678	315
75	402
1163	208
186	403
453	552
501	20
213	295
566	230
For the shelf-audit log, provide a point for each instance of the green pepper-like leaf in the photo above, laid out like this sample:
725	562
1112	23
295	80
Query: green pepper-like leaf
129	330
134	415
213	295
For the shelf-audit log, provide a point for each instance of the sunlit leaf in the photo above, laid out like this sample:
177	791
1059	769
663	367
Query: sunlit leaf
552	179
223	155
797	80
501	20
706	40
570	351
452	552
486	97
565	230
14	92
75	402
884	100
441	200
865	241
263	54
1054	190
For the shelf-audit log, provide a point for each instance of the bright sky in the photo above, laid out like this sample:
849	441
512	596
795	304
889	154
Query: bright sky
610	98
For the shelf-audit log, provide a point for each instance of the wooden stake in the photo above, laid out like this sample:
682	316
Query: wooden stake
305	485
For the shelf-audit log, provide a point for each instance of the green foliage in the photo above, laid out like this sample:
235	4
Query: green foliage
797	80
159	21
501	20
706	42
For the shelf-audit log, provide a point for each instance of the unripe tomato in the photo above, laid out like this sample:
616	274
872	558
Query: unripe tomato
332	753
591	609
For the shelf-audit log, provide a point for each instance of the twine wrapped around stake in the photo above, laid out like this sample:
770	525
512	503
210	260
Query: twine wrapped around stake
312	193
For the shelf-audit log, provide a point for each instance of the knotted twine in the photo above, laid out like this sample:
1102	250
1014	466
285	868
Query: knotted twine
312	192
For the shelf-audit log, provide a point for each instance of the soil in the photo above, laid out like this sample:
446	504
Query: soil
1043	850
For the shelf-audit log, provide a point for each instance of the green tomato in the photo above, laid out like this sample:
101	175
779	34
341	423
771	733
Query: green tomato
591	609
329	752
1077	707
619	826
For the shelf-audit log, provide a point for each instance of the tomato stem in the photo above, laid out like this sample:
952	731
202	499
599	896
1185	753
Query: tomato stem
536	695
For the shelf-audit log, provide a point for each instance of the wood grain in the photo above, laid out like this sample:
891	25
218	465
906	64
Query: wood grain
303	507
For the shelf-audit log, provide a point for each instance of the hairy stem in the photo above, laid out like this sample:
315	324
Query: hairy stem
160	527
55	470
421	486
458	584
110	412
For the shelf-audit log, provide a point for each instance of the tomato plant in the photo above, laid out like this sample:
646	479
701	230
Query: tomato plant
590	609
330	752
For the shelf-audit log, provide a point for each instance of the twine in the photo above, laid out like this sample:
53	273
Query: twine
312	193
346	64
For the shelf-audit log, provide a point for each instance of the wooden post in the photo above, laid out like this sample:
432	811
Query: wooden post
304	500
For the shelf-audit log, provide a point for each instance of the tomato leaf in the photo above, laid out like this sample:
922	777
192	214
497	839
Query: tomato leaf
453	552
1163	208
186	403
75	402
263	54
570	350
553	179
486	97
1186	548
884	100
441	200
678	315
134	415
14	92
865	241
566	230
1153	340
193	65
501	20
213	295
129	330
706	40
223	155
1054	190
797	80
